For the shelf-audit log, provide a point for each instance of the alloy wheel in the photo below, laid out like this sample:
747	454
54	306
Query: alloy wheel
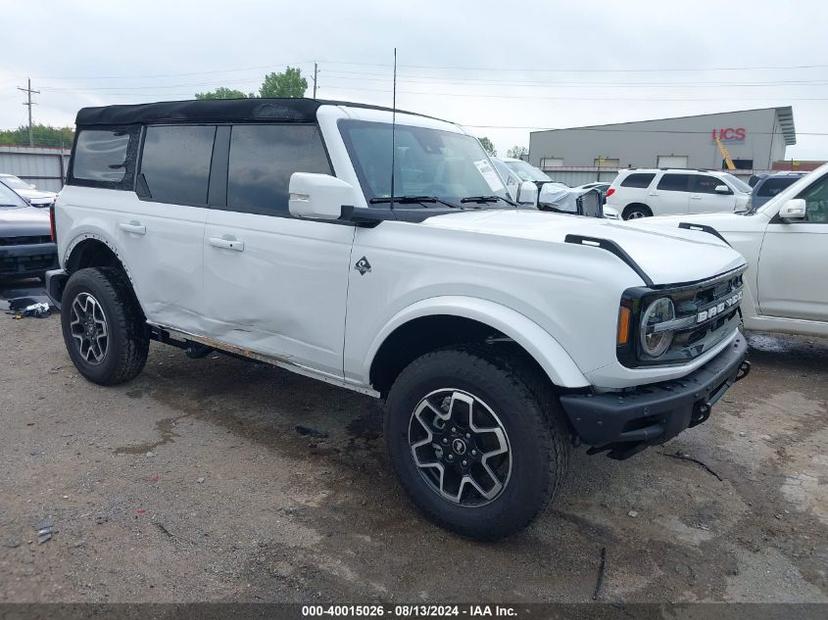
89	328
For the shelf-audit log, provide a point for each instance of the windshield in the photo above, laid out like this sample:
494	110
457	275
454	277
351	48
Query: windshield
10	199
737	183
427	162
527	172
14	182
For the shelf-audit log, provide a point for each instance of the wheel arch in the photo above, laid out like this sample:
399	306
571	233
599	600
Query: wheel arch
434	323
632	205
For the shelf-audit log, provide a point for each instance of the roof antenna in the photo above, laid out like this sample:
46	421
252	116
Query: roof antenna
393	128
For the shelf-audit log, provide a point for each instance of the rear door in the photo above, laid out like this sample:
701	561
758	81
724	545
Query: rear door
794	260
671	195
274	284
705	199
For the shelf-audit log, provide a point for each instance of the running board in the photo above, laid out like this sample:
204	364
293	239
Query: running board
168	335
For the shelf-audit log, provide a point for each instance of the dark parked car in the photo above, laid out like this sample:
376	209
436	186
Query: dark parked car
26	246
769	184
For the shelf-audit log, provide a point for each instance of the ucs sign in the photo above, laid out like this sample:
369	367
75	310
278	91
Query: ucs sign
730	134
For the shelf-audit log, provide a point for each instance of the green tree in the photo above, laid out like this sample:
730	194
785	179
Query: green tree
43	135
488	146
517	152
289	83
223	93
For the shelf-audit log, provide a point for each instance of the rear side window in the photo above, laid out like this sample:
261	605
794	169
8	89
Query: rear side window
675	182
772	187
175	163
262	158
638	180
105	157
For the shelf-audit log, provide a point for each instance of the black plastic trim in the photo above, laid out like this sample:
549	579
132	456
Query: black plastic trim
703	228
613	248
652	414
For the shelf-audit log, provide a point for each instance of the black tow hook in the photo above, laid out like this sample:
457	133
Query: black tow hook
744	371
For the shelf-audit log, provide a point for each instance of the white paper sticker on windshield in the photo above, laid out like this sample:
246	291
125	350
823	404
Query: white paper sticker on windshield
488	173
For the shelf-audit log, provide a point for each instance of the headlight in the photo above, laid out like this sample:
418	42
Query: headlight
655	341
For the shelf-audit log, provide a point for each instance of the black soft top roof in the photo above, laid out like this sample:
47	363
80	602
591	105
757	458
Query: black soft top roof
297	110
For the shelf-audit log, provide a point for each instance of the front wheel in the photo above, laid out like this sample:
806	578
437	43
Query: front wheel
478	445
103	327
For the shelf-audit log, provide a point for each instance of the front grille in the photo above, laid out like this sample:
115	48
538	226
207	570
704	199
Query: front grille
29	240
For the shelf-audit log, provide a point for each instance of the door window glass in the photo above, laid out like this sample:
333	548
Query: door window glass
175	163
816	199
262	159
707	185
101	156
675	182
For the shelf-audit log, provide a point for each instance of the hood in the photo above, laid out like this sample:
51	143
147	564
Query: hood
36	194
666	255
722	222
24	222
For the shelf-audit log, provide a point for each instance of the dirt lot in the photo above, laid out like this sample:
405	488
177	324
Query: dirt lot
192	483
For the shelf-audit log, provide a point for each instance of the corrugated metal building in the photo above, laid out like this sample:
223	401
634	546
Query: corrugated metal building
42	166
754	138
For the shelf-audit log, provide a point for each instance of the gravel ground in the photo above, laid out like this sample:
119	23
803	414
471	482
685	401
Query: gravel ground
191	483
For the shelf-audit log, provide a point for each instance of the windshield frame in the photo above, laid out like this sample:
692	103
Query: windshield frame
380	201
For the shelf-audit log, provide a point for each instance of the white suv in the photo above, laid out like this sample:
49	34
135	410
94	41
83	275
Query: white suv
498	336
639	192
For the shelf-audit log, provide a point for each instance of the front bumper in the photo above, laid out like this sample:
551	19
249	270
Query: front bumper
23	261
624	423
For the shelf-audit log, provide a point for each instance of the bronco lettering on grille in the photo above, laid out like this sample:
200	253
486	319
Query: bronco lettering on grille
719	308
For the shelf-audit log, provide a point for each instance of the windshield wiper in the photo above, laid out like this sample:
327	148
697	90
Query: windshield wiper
412	199
490	198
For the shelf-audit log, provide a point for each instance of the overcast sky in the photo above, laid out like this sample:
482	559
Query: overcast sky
498	68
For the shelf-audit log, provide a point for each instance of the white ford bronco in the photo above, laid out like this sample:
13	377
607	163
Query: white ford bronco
378	251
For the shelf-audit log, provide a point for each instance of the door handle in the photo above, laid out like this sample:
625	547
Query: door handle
226	243
134	227
695	197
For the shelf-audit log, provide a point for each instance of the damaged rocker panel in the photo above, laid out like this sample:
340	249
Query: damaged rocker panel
170	335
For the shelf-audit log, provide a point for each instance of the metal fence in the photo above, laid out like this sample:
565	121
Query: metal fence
44	167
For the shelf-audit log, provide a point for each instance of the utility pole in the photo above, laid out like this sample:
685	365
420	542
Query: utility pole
315	71
29	103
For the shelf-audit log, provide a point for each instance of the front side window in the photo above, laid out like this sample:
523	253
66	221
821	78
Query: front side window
638	180
735	182
104	157
262	159
428	162
175	163
816	201
675	183
705	184
527	172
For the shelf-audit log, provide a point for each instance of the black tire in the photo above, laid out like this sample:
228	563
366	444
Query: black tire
530	415
633	212
127	341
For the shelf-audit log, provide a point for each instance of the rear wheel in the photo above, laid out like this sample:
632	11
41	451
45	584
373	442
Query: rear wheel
634	212
103	326
479	448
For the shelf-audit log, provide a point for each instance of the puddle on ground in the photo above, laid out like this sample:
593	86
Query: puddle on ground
166	435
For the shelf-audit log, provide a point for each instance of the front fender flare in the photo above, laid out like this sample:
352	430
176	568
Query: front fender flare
544	348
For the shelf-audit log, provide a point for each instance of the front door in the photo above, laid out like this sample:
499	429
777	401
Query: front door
705	199
794	261
276	285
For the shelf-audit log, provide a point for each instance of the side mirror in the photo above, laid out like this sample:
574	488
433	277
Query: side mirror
527	194
319	196
794	209
721	189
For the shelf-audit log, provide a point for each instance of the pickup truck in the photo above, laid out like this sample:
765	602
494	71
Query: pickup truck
785	243
378	250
